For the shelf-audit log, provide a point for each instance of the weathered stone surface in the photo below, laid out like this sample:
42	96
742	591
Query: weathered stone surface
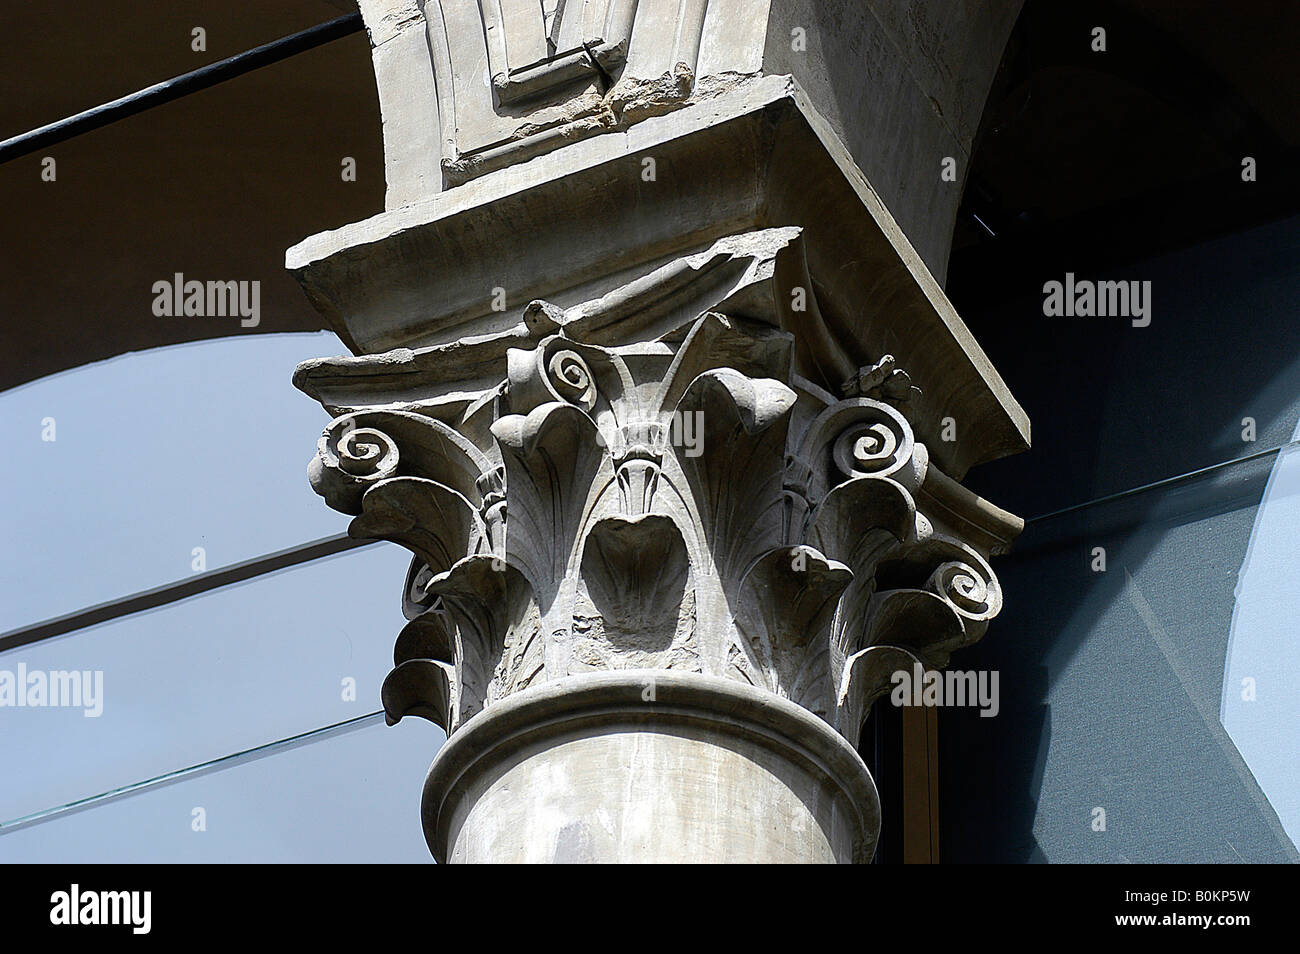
671	415
698	498
758	158
709	438
468	86
649	765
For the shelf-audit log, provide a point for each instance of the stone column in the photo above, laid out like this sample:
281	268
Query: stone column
669	412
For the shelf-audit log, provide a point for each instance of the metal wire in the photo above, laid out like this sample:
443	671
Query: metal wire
1164	482
178	86
194	771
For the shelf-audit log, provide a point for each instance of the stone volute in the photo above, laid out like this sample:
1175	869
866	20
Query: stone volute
672	417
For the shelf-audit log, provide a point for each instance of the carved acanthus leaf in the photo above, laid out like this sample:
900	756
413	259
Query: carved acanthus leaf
485	599
787	601
420	687
635	570
736	478
551	458
430	519
867	675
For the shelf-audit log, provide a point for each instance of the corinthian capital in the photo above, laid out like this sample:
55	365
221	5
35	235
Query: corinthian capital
667	479
668	409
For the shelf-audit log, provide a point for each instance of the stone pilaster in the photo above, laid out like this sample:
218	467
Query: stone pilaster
672	418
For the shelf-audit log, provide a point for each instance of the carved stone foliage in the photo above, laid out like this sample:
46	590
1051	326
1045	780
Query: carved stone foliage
665	478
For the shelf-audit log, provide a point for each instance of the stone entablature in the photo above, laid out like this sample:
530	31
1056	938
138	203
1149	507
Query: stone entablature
470	86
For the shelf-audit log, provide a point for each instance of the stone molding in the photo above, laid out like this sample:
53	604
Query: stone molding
534	779
470	86
417	283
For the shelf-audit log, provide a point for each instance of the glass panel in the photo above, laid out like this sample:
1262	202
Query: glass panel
160	463
199	679
352	798
1122	733
1260	708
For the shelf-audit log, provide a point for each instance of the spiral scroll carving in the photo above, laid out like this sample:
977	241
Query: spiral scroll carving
349	461
366	452
687	503
967	588
572	379
878	445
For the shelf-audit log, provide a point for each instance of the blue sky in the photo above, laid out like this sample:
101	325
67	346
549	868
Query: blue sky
155	454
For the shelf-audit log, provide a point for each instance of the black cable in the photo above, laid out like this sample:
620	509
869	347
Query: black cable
178	86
